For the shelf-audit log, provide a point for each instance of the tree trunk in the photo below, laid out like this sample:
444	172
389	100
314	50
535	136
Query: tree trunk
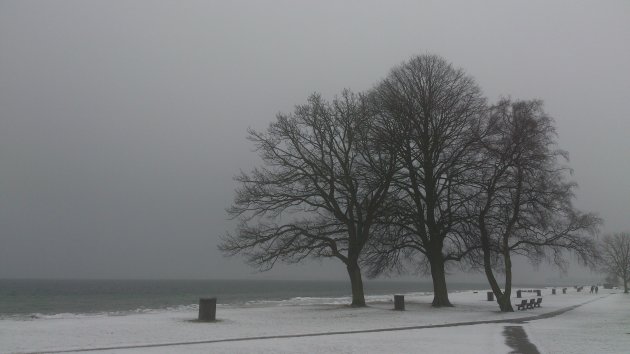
625	285
440	292
506	304
504	301
358	297
503	298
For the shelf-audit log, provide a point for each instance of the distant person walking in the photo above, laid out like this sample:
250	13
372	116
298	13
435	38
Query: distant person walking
596	289
592	288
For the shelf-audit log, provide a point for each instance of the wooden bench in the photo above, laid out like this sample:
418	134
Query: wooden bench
531	304
522	305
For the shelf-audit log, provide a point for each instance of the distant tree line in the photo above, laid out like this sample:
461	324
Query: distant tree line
420	171
615	258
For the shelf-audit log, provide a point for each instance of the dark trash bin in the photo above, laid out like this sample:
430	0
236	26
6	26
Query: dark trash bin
207	309
399	302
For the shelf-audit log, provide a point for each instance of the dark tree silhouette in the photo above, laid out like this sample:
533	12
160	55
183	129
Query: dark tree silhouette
615	256
524	201
436	108
324	183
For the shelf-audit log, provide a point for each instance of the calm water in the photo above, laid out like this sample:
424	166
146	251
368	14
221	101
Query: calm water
26	297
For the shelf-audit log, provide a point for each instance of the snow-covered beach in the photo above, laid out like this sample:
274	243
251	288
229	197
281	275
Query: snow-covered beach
576	322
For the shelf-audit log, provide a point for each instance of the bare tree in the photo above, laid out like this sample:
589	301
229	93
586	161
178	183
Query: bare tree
323	185
615	256
436	107
524	201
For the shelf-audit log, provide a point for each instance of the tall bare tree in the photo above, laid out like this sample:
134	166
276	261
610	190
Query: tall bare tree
615	256
436	107
324	183
524	201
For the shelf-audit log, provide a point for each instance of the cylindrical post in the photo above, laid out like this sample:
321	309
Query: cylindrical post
553	291
539	292
208	309
399	302
490	296
518	294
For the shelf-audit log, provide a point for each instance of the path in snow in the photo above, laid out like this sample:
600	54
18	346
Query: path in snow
516	338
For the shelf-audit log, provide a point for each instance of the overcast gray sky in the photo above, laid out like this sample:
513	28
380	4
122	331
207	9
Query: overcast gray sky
123	122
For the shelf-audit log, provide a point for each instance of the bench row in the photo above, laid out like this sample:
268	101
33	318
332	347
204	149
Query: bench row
524	305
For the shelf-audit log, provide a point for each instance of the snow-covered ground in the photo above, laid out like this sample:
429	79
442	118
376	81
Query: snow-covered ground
600	325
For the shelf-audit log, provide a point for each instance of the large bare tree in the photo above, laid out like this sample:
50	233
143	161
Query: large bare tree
436	108
524	201
615	256
324	184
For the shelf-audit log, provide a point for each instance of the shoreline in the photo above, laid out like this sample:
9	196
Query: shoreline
34	300
286	323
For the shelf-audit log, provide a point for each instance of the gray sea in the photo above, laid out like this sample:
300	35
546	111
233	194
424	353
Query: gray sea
36	298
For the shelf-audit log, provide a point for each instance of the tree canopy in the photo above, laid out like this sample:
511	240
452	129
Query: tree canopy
418	170
522	203
324	183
